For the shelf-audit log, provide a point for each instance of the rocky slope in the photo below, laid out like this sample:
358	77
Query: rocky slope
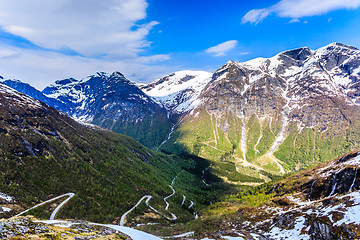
31	228
113	102
321	203
276	115
45	153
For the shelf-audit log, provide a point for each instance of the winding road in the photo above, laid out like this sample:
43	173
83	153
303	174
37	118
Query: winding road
122	220
148	197
133	233
71	195
167	204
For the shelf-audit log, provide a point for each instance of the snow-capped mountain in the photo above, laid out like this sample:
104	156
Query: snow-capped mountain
113	102
293	84
278	114
178	91
99	92
290	77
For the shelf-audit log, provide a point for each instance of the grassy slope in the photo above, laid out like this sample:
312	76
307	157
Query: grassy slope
206	136
151	131
249	205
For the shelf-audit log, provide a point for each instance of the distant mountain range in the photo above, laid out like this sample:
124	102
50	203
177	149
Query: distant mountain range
253	119
109	101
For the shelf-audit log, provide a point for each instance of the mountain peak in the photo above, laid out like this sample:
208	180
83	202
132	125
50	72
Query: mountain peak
118	77
335	47
337	44
230	62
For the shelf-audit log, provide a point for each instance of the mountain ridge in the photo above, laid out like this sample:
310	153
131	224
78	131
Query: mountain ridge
249	112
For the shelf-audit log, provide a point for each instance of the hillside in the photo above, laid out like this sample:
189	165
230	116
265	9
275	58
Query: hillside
45	153
319	203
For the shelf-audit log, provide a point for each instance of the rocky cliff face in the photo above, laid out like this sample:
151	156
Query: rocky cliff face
278	114
113	102
291	82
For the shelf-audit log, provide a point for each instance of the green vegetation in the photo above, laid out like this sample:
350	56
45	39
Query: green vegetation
45	154
267	139
150	131
218	139
309	147
253	133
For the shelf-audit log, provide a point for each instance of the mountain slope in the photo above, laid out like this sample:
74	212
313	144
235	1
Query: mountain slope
275	115
319	203
45	153
113	102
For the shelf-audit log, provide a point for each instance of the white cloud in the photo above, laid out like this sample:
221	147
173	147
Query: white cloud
40	68
294	20
256	15
90	27
106	33
222	48
299	8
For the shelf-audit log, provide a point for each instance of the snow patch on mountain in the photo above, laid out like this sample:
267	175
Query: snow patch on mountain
177	91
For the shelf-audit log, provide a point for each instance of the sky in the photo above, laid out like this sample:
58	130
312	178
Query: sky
43	41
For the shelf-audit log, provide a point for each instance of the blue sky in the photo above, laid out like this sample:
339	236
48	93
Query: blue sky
42	41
